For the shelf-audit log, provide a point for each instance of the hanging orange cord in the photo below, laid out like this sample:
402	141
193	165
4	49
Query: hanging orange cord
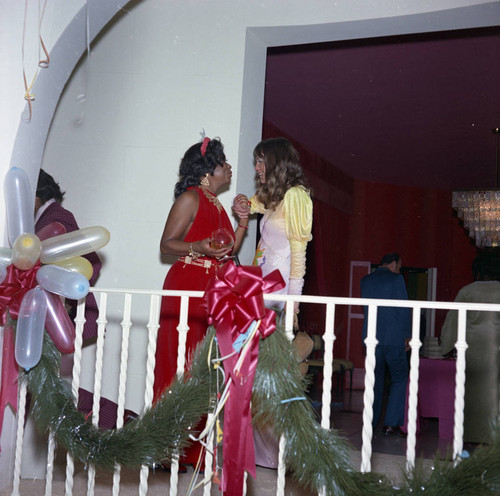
43	63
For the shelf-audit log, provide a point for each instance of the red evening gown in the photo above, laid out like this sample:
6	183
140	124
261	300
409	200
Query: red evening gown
186	275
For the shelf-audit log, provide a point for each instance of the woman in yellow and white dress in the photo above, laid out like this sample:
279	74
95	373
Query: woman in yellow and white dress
284	199
285	202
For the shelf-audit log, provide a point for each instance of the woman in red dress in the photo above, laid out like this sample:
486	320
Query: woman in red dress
194	216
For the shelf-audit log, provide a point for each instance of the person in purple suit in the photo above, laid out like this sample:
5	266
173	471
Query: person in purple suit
48	209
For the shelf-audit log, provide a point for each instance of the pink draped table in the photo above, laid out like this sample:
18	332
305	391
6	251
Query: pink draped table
436	394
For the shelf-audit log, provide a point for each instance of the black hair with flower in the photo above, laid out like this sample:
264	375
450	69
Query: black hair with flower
194	166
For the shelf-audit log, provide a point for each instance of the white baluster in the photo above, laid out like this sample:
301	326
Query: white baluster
209	458
50	464
280	489
153	326
90	480
367	433
70	470
77	367
183	329
329	340
415	344
290	313
101	329
174	476
21	413
461	346
122	384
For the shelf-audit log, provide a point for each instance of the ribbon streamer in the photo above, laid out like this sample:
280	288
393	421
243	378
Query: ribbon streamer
234	301
12	290
43	63
8	388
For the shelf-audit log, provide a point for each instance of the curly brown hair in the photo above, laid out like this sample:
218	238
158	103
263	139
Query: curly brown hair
283	170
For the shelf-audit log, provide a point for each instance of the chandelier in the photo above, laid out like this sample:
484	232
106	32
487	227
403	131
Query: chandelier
480	211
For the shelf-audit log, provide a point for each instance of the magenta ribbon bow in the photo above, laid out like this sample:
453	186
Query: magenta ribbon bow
234	301
12	290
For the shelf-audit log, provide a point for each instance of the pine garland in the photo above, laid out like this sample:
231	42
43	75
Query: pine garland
161	432
317	458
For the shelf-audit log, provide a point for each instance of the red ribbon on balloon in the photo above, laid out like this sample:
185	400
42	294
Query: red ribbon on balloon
235	300
12	290
14	287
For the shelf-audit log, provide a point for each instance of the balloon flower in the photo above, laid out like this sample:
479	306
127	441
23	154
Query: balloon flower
31	292
37	270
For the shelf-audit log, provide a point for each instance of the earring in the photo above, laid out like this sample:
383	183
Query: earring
204	181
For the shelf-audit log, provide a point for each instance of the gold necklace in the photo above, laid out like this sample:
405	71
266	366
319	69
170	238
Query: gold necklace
212	198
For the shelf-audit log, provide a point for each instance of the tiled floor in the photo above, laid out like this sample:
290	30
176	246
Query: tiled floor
347	417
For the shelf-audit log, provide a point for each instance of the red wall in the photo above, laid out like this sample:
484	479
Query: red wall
420	225
417	223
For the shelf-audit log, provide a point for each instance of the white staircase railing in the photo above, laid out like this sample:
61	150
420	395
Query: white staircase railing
151	329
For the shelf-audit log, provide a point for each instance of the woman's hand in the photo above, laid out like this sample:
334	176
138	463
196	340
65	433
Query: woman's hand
241	206
204	247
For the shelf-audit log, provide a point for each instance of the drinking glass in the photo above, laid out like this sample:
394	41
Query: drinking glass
221	238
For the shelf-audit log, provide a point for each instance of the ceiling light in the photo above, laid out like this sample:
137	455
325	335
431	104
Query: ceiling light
480	211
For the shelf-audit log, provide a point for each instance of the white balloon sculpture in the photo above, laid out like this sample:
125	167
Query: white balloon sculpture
67	273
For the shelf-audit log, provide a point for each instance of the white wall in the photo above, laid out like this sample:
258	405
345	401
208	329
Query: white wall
160	74
18	33
157	75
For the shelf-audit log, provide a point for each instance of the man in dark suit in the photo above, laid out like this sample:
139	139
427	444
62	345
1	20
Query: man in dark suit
393	334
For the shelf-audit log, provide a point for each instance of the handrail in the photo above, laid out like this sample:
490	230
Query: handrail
340	300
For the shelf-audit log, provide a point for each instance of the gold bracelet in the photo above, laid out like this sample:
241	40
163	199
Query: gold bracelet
193	254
